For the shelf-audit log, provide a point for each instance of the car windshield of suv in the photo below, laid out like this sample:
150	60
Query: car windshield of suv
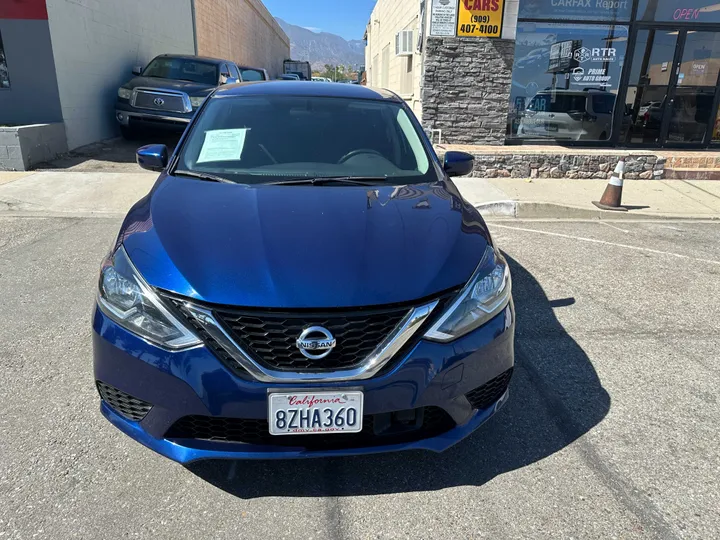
557	103
183	69
261	139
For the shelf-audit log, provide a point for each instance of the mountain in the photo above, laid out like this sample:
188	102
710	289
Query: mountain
320	48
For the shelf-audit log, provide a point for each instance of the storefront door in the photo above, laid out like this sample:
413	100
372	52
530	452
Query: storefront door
672	96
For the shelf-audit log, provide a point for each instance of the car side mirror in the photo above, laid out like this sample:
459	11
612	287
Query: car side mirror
458	163
153	157
232	80
137	70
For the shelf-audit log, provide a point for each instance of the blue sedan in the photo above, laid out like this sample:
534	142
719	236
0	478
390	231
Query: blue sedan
304	279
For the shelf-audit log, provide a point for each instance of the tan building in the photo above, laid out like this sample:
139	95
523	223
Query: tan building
243	31
396	37
386	66
627	73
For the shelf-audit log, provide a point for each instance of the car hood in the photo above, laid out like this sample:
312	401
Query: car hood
304	246
190	88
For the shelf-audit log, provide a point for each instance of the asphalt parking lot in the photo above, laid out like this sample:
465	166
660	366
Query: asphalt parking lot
611	430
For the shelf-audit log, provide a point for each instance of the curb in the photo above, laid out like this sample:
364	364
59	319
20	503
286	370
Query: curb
545	210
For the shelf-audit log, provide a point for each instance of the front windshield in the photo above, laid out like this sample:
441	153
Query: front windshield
184	69
260	139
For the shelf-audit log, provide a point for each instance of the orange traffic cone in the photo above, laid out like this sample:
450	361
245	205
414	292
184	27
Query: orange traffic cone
612	196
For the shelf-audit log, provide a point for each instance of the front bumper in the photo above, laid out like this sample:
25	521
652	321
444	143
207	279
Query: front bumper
128	116
195	383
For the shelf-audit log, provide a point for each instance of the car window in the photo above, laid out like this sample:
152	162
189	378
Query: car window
603	103
224	73
234	71
256	139
557	103
252	74
184	69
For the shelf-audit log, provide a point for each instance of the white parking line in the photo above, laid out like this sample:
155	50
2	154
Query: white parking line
614	227
604	242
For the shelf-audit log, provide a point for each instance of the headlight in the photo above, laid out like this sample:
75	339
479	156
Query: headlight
196	101
129	301
485	295
124	93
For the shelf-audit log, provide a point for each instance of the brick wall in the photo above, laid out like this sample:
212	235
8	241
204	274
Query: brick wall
243	31
466	91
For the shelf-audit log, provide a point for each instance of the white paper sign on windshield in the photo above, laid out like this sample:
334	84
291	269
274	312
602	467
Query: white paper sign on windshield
223	145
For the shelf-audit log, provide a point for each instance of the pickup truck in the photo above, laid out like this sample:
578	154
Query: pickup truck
171	88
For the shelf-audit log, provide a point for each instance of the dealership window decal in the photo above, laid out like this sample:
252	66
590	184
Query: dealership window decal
577	10
685	11
4	75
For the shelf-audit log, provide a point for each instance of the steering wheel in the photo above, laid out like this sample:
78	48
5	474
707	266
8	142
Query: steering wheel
358	152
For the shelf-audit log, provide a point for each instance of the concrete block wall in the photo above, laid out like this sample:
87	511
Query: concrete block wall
23	147
243	31
97	42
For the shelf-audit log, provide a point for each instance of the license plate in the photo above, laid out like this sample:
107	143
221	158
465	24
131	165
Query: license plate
313	413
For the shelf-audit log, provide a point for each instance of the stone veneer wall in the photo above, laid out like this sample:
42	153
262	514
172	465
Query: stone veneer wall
642	167
544	164
466	89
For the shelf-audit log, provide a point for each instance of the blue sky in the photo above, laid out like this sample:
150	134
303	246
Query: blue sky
347	19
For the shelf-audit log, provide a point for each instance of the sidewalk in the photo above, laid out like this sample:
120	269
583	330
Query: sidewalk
49	193
73	193
565	198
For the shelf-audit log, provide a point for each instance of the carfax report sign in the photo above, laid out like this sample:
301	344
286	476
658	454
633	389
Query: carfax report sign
480	18
577	10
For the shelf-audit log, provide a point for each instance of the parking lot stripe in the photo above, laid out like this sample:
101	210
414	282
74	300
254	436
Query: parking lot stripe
605	242
614	227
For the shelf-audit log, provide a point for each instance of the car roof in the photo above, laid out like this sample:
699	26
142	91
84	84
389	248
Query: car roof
305	88
193	57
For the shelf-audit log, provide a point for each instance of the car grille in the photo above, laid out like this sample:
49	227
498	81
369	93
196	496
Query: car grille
484	396
271	338
378	430
126	405
171	101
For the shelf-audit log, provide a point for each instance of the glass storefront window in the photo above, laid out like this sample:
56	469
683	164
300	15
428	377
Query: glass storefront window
690	11
716	128
565	81
691	109
701	59
4	76
577	10
658	68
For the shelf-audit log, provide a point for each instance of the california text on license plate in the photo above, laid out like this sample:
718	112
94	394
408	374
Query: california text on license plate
311	413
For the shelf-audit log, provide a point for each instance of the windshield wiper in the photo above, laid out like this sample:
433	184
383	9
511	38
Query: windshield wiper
320	181
203	176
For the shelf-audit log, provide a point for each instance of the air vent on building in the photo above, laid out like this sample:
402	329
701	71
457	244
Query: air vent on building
404	43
